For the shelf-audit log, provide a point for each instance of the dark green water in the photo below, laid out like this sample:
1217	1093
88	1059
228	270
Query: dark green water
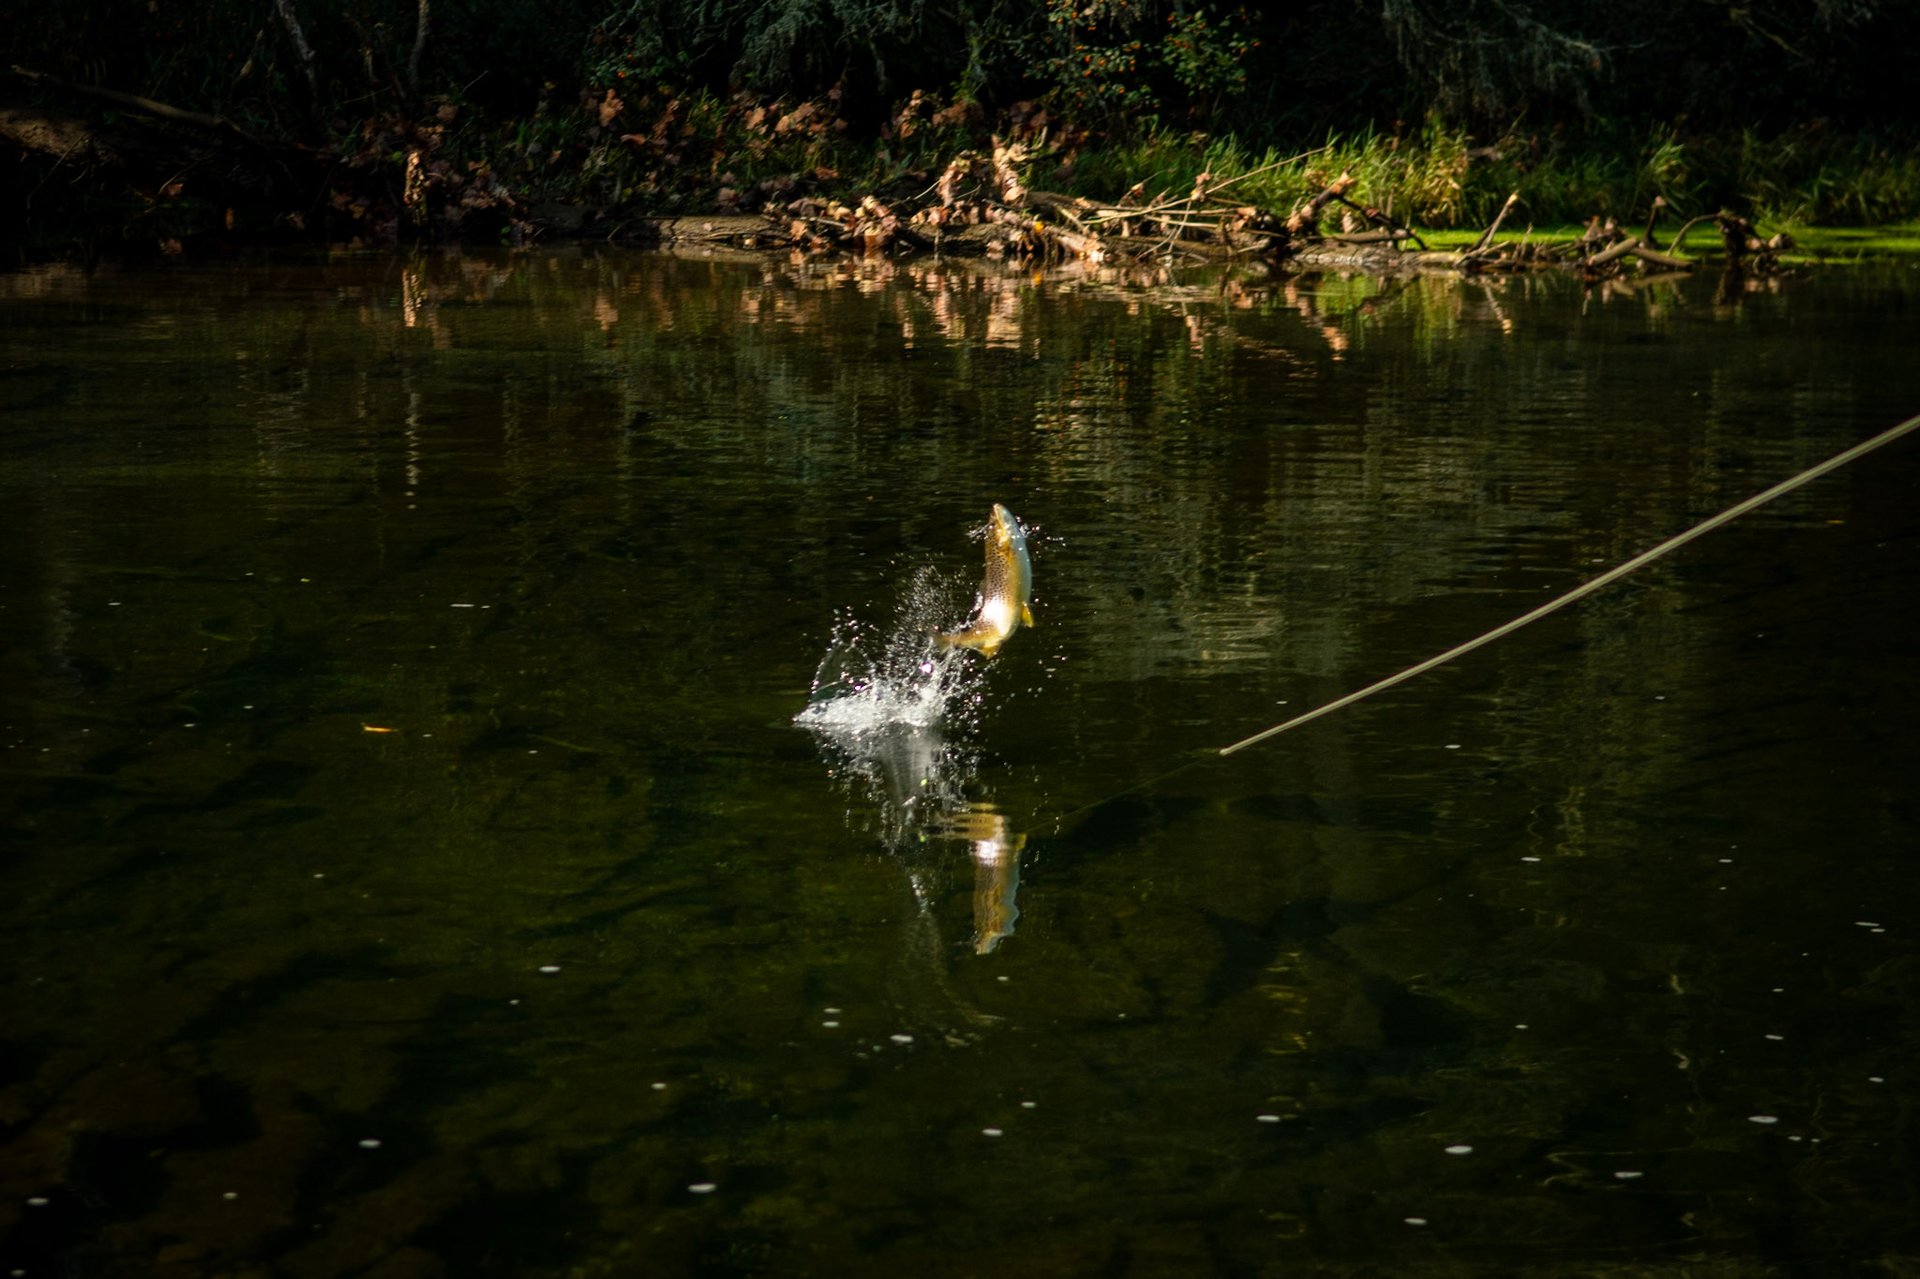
412	866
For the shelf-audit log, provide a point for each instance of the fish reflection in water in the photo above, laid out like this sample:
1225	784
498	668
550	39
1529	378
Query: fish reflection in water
912	783
995	848
881	711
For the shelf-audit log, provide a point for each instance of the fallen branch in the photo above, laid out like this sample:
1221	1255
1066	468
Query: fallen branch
1384	222
1486	236
145	106
1659	259
1309	213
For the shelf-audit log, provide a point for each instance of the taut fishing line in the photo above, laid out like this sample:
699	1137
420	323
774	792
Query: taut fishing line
1585	589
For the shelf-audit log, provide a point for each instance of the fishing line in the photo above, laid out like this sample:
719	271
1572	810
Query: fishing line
1552	606
1585	589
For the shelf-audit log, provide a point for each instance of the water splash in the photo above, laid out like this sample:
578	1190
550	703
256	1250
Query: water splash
892	712
873	678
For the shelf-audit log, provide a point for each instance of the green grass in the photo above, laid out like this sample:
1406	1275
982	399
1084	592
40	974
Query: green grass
1441	179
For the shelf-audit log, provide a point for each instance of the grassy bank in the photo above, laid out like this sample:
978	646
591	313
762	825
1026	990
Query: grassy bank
1444	179
655	153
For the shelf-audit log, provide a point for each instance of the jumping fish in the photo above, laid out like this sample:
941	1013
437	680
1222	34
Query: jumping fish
1003	607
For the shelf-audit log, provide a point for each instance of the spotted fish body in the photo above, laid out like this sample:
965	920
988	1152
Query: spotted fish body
1003	607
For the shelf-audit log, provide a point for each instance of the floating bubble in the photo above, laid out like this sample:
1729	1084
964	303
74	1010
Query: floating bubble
1627	1174
369	1143
1268	1119
549	968
991	1132
38	1201
1459	1150
1028	1105
830	1024
1415	1221
1763	1119
703	1188
659	1087
901	1039
1776	1037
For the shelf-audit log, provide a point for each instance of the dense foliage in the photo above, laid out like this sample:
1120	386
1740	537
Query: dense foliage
1804	103
1307	66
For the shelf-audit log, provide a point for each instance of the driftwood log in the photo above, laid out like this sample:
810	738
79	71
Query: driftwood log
1201	225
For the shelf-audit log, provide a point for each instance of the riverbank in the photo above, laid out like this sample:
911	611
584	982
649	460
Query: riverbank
90	169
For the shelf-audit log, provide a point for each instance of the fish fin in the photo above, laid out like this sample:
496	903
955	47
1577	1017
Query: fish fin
964	639
1026	615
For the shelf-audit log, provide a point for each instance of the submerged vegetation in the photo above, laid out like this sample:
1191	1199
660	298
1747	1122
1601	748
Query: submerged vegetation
387	119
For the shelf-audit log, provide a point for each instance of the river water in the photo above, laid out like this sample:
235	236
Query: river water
413	864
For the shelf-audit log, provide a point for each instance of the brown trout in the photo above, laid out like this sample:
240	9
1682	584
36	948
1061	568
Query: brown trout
1003	607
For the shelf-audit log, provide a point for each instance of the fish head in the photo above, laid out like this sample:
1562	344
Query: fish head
1004	529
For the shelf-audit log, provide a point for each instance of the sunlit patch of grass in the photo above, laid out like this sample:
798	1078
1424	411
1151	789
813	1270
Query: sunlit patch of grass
1441	178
